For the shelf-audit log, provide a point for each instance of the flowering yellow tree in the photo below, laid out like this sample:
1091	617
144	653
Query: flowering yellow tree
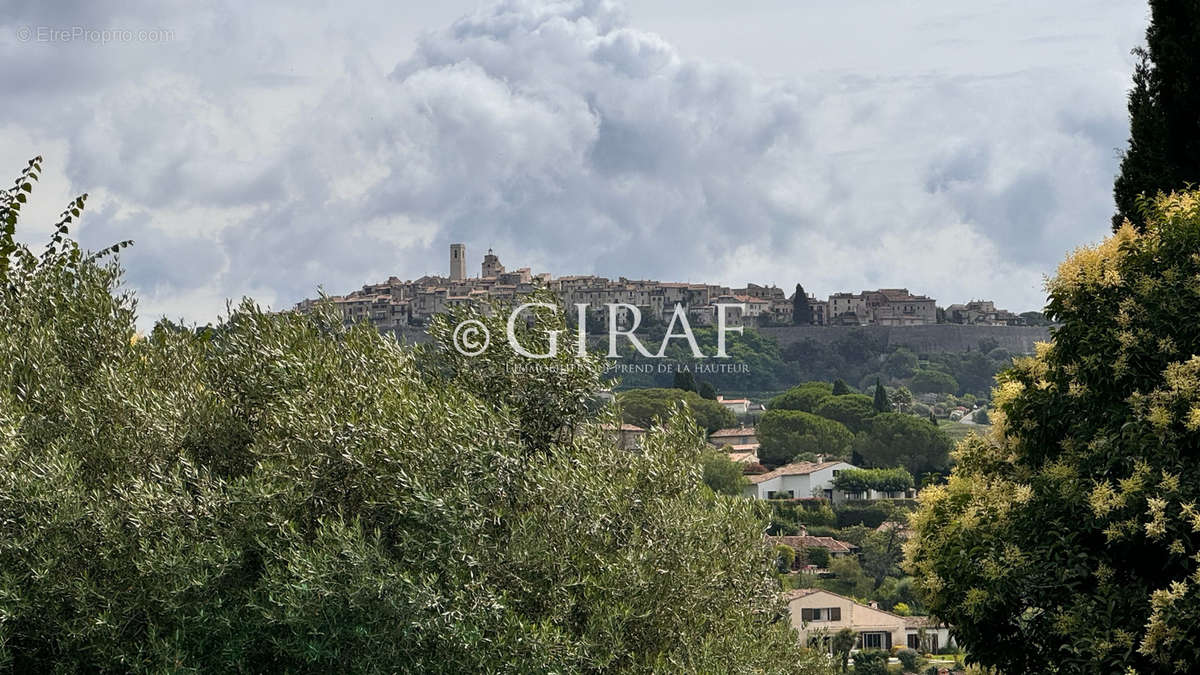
1068	540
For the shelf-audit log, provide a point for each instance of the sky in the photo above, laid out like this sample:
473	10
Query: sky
268	150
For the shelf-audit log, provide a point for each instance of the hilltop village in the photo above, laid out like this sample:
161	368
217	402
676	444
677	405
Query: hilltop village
394	304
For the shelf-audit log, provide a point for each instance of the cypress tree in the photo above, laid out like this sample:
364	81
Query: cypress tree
881	400
1164	110
801	310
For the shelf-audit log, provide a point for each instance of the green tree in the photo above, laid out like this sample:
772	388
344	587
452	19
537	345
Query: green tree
896	439
279	494
782	434
684	380
643	406
721	474
852	410
843	641
849	578
806	397
785	558
982	417
881	399
815	555
707	391
900	364
1164	122
901	399
840	388
801	310
933	382
1070	531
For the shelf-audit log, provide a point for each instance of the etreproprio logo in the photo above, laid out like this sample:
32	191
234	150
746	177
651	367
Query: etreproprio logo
472	338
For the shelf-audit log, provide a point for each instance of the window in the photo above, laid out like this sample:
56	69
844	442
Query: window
876	640
914	641
808	614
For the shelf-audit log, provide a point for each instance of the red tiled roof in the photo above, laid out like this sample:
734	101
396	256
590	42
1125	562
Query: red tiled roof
722	433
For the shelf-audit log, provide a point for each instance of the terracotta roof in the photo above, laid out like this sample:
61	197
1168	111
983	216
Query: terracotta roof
722	433
801	541
803	592
794	469
744	457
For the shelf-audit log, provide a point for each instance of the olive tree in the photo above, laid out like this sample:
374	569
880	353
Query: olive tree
279	493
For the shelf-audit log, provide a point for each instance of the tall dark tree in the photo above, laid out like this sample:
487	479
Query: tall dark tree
801	310
840	388
882	404
684	380
1164	110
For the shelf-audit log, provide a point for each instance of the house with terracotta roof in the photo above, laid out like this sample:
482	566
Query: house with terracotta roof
743	454
798	480
734	436
817	615
799	542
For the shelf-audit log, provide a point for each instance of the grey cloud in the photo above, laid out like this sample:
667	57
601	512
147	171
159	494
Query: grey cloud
572	141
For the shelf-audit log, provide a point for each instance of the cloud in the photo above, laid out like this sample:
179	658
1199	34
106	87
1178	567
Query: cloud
269	151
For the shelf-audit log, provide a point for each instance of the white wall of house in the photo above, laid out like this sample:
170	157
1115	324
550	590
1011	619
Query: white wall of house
818	483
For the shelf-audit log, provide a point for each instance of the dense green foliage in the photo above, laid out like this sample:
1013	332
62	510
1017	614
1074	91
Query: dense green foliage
880	480
644	407
870	662
754	362
806	397
933	382
783	434
721	474
852	410
279	494
900	440
859	358
1164	110
1067	541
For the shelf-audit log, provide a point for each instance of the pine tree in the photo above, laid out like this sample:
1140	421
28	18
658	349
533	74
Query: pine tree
1164	110
801	310
840	388
881	399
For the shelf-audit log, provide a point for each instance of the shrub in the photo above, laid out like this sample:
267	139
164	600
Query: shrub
870	662
880	480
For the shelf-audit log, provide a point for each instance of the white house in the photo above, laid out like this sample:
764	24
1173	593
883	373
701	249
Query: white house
797	481
927	634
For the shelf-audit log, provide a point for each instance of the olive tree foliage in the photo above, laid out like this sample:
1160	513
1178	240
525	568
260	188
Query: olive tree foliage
279	493
1069	540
